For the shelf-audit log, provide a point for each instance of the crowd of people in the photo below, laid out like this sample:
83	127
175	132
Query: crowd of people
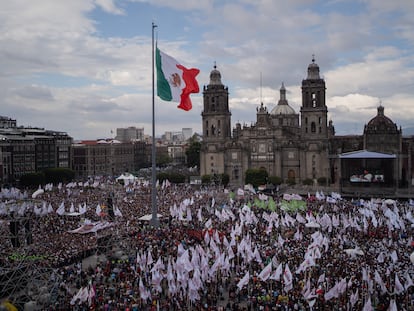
214	249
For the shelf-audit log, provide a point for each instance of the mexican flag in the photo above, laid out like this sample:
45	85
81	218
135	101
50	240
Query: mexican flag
174	81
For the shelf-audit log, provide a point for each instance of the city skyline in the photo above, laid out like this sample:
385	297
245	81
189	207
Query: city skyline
84	67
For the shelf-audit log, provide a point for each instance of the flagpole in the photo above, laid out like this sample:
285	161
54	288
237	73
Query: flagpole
154	220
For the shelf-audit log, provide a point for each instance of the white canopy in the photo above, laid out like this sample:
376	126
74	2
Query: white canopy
148	217
364	154
126	176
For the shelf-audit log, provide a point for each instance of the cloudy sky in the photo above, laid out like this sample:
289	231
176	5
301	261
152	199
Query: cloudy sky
84	66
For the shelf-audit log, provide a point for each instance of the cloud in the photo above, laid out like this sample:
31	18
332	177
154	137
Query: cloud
34	92
181	5
109	7
363	48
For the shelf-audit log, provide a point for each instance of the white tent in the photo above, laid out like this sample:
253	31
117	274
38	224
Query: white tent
148	217
126	178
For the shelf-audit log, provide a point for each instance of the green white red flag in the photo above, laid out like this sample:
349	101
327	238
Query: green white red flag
174	81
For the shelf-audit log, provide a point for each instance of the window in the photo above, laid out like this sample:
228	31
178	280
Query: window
262	148
213	130
313	100
313	127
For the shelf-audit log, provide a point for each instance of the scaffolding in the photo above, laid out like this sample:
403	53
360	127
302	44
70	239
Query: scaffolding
28	277
25	276
113	242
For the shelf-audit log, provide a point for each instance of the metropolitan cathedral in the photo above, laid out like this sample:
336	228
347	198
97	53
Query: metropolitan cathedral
299	146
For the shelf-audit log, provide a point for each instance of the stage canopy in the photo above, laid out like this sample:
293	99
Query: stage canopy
148	217
364	154
126	177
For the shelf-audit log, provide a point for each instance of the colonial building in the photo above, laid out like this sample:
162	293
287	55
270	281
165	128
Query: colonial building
26	150
102	158
296	146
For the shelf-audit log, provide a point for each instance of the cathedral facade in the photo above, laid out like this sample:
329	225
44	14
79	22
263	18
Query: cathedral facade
293	146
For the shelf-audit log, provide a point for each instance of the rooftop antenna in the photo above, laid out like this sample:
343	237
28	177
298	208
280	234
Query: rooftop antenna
261	86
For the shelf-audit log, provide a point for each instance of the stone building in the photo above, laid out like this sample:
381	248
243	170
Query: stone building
102	158
27	149
294	146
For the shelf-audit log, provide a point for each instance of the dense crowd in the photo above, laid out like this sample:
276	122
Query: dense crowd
216	249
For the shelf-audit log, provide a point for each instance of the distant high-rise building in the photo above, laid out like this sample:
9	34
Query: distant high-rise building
128	134
187	133
168	136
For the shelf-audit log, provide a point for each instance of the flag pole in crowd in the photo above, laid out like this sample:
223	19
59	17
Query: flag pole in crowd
175	83
154	220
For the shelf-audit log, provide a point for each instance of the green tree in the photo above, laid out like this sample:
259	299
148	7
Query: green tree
308	182
206	179
256	177
275	180
163	159
32	180
57	175
173	177
225	179
193	153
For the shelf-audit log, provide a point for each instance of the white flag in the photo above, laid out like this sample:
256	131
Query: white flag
380	282
287	278
276	275
61	210
408	281
243	281
393	305
368	305
265	274
398	288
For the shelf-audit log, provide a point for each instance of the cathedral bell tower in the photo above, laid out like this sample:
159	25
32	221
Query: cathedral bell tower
314	126
216	118
216	114
314	113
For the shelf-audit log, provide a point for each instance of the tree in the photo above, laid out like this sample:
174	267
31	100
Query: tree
225	179
163	159
32	180
193	153
57	175
172	177
206	179
275	180
256	177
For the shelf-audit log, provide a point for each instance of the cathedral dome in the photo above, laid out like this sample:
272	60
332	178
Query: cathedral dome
282	109
282	106
381	123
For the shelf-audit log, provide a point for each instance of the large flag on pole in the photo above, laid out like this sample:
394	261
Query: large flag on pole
174	81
